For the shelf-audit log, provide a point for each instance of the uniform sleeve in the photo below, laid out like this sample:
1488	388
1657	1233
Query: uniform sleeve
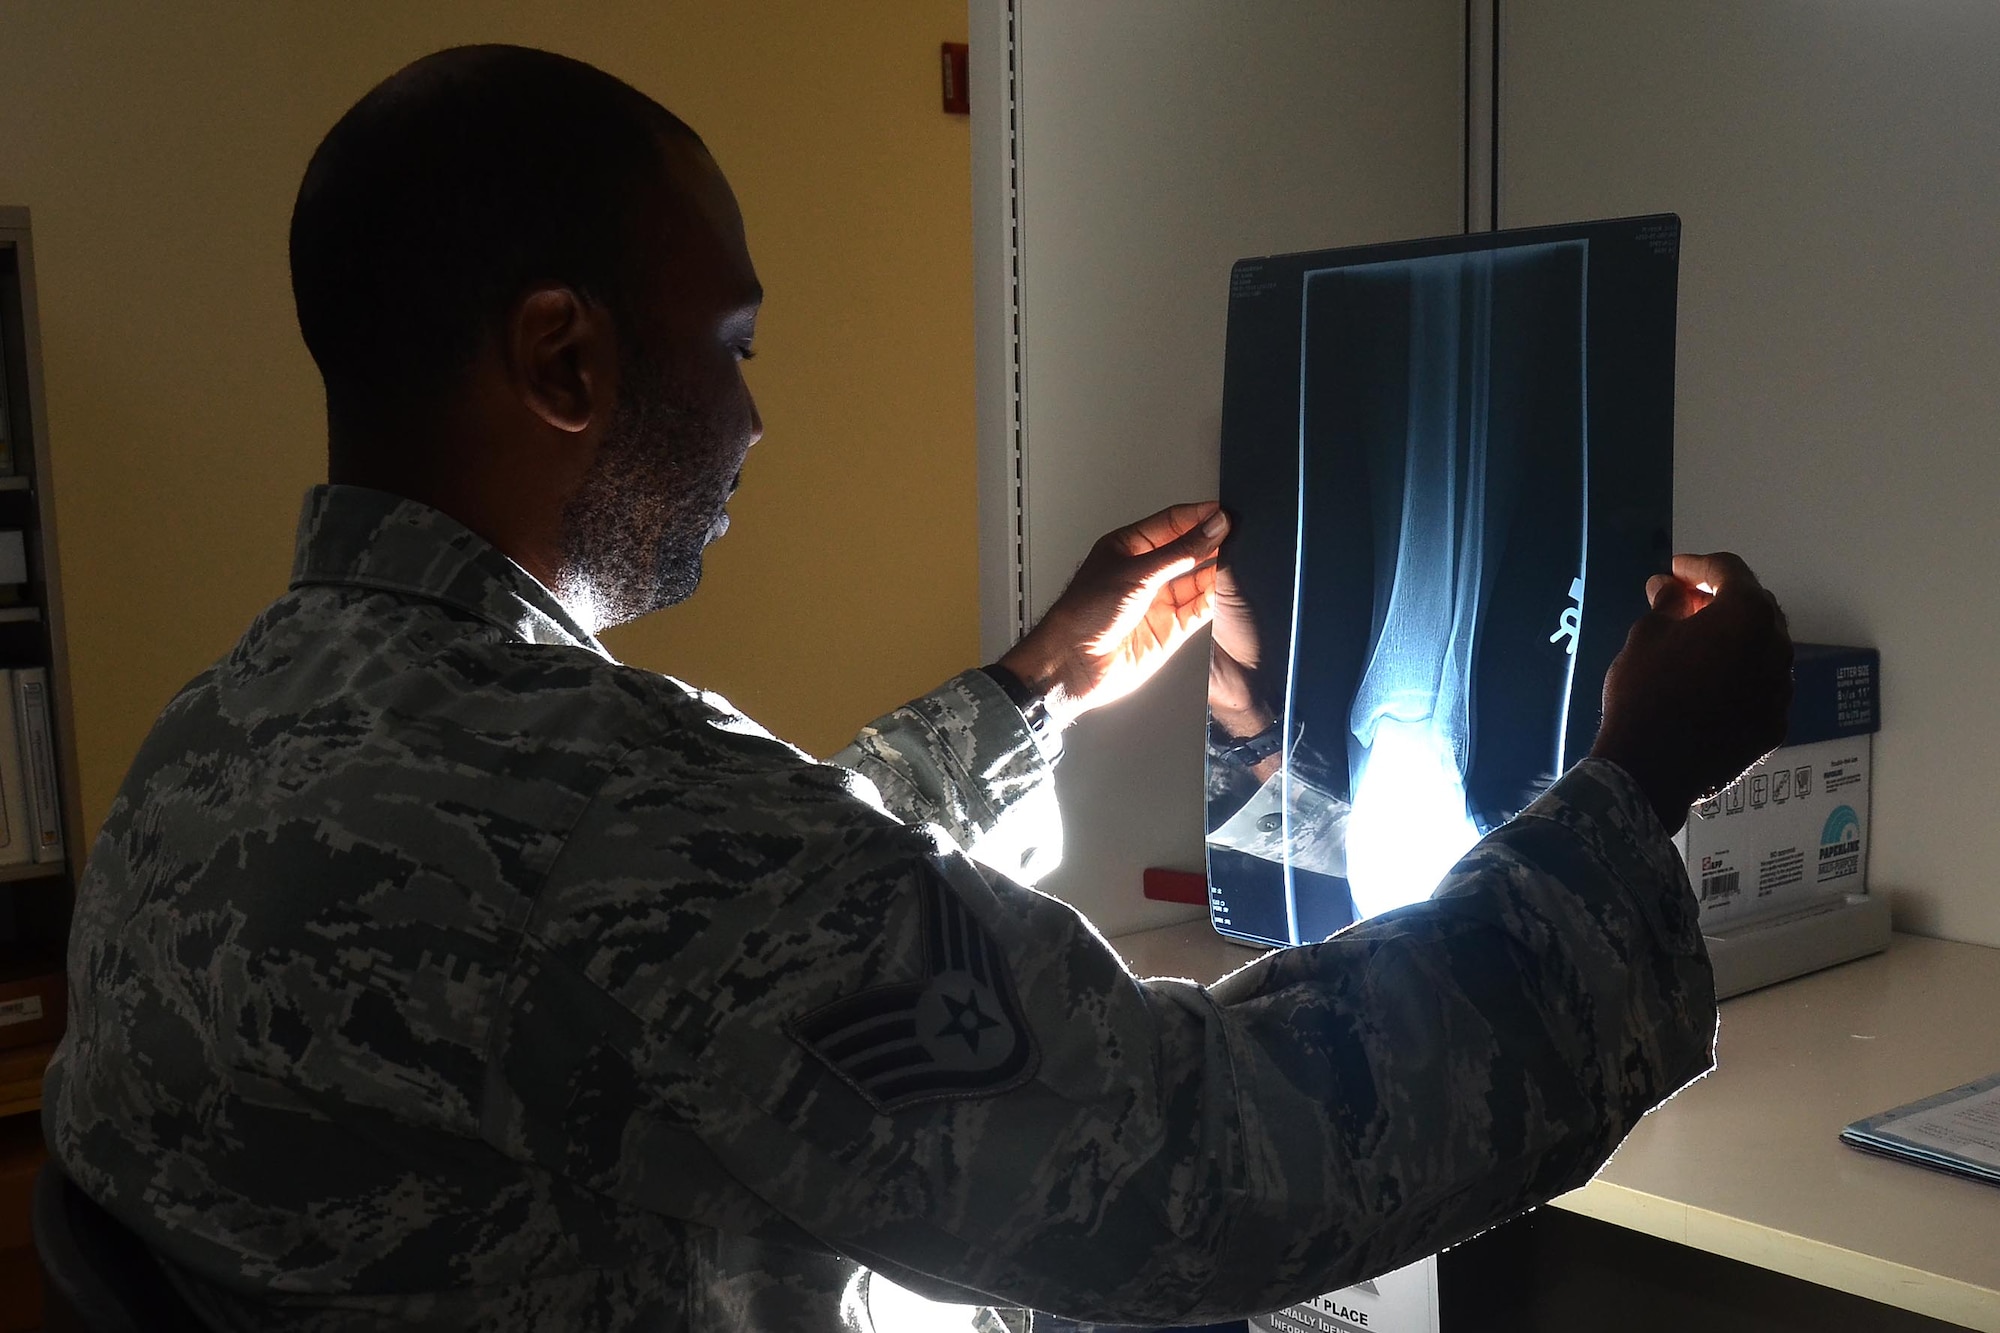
825	1028
962	758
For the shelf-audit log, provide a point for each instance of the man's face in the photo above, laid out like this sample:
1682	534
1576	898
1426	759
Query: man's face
684	420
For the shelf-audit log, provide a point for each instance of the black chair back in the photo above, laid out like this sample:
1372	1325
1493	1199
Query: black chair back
96	1276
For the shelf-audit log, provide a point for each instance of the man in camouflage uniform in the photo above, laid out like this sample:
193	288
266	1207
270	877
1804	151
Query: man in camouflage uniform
433	969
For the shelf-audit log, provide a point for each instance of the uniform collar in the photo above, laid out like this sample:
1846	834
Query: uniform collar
353	536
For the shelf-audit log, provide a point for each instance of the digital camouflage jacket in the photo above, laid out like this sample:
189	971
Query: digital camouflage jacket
433	969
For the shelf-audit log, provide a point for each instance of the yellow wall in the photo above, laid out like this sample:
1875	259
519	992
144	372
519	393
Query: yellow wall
159	147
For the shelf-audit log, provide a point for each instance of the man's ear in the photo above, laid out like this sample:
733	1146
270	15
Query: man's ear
561	357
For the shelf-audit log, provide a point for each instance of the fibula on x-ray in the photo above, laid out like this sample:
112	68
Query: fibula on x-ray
1449	469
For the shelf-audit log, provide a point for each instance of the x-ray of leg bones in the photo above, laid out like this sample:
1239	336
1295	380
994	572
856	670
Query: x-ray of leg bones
1414	454
1412	715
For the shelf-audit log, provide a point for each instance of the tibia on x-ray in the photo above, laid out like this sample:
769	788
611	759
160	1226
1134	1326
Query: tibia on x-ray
1412	712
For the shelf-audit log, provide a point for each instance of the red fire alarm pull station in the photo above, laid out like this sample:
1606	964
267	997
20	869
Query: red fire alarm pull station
956	100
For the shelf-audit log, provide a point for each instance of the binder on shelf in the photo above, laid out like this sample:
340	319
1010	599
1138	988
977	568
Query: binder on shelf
10	300
32	716
7	289
16	845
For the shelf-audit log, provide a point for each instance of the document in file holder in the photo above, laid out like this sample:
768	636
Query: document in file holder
1449	469
1956	1131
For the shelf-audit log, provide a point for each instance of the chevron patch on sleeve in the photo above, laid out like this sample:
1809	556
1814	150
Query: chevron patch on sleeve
957	1034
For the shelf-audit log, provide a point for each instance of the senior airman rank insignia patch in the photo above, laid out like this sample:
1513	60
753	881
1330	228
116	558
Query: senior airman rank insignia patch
958	1033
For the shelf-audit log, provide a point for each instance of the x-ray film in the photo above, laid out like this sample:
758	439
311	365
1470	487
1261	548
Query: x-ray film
1449	466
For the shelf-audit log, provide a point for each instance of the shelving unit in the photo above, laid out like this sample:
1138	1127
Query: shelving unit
36	900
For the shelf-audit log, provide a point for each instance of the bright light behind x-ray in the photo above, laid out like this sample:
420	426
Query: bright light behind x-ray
1409	825
872	1301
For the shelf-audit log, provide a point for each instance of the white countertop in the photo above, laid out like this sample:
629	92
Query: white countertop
1747	1163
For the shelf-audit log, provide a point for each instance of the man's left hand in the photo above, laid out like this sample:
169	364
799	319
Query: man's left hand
1139	595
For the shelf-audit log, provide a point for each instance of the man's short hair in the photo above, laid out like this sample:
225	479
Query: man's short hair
448	192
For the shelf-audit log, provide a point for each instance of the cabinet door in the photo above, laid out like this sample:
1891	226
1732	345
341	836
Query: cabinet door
1837	170
1126	153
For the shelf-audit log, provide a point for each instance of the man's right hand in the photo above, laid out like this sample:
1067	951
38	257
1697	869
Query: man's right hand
1703	686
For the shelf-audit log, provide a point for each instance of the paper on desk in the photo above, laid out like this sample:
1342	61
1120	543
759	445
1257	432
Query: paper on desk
1956	1131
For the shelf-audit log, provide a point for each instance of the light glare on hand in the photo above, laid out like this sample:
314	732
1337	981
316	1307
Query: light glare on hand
1152	623
1143	591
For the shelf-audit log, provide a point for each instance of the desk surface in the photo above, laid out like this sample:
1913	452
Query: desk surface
1746	1162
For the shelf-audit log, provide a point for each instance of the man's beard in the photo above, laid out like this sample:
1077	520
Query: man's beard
634	531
